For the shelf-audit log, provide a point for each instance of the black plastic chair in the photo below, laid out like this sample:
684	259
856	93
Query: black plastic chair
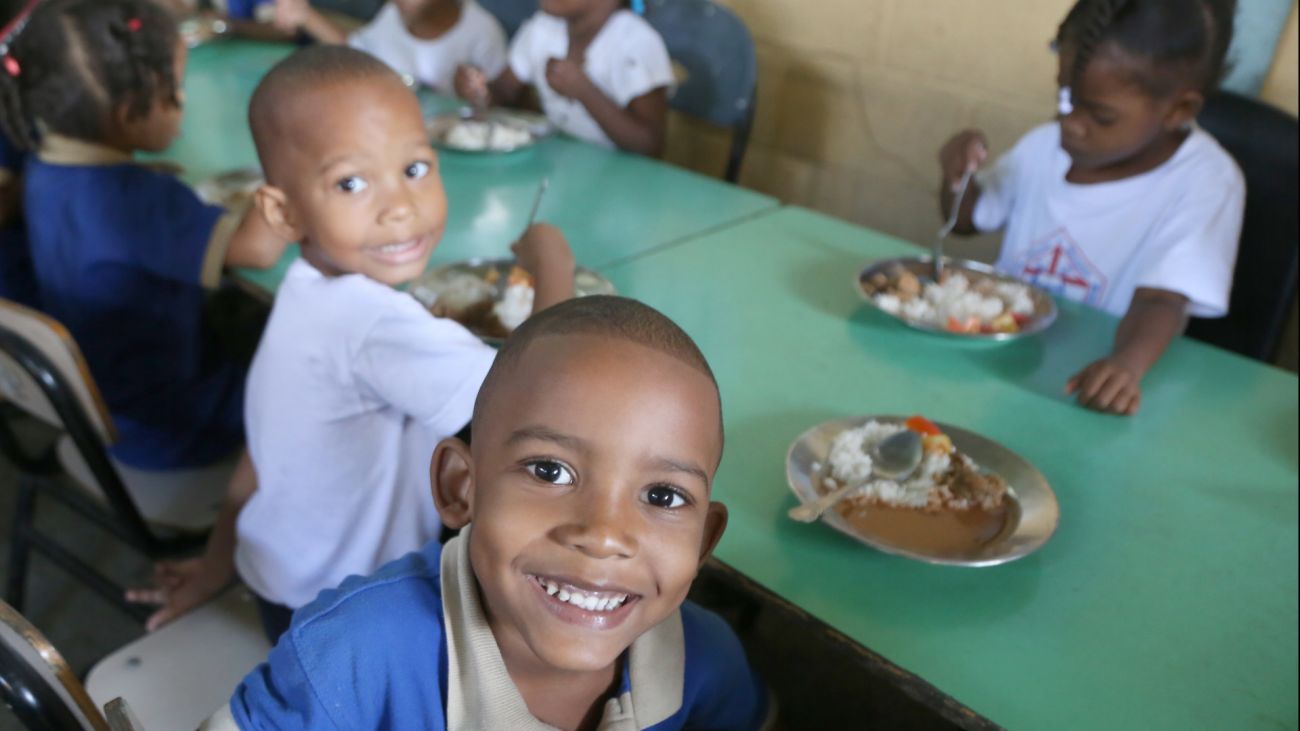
1263	142
161	515
714	47
510	13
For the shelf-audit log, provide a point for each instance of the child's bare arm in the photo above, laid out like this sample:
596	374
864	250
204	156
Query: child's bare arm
638	128
544	253
472	85
254	244
292	16
963	153
1154	319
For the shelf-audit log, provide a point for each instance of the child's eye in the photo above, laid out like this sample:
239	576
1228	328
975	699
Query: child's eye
352	184
664	496
417	170
551	472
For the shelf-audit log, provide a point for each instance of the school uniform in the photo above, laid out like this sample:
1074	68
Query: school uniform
625	60
17	279
476	40
122	255
1174	228
410	648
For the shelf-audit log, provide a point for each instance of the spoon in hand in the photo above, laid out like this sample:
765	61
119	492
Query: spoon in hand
894	458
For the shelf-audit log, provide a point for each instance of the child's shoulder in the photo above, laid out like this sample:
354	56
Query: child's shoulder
719	689
1204	161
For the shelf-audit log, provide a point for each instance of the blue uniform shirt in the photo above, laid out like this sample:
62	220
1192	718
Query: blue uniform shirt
377	653
119	252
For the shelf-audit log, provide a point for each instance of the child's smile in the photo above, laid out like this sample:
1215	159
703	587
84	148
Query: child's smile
597	606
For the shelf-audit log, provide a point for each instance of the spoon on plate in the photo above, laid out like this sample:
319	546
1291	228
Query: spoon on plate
936	251
895	457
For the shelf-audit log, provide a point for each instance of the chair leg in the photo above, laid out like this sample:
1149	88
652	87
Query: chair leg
20	547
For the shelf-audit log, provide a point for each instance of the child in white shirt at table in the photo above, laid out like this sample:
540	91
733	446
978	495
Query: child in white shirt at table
1123	203
601	72
353	382
423	39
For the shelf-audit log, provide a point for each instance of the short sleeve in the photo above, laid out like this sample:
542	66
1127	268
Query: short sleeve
643	67
278	694
370	37
429	368
1194	249
522	50
721	691
1001	183
177	227
489	50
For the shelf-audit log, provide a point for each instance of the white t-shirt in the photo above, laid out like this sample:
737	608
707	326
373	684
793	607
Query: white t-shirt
351	388
476	39
1174	228
625	60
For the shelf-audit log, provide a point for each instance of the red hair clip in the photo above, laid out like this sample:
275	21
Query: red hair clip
133	25
11	66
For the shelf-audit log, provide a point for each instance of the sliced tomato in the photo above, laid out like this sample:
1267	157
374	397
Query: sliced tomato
955	326
1021	318
922	425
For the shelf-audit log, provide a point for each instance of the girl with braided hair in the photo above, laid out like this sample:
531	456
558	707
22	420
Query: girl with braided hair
123	253
1122	203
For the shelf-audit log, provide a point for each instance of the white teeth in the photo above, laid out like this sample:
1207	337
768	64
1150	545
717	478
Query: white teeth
551	588
591	603
582	600
564	595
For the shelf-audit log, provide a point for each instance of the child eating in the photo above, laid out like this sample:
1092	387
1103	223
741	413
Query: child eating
584	503
1123	203
353	381
601	71
424	39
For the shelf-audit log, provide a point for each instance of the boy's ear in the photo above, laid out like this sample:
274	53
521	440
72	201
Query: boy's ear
279	215
1187	105
715	522
451	474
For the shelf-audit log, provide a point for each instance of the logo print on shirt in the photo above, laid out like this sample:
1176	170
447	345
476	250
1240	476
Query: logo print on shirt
1059	265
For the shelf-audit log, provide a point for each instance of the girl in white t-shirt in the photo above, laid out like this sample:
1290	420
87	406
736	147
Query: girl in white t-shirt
423	39
1123	203
601	72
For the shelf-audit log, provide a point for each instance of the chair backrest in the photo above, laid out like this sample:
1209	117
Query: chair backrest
510	13
714	47
37	683
1263	142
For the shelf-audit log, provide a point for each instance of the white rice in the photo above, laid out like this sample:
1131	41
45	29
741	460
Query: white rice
477	135
955	298
515	305
850	463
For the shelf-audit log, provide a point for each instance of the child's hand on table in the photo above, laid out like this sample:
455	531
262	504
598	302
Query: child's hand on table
964	153
567	78
471	84
544	253
180	586
1107	385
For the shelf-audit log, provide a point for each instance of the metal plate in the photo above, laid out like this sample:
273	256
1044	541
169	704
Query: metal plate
231	188
1044	306
440	127
199	29
430	285
1031	518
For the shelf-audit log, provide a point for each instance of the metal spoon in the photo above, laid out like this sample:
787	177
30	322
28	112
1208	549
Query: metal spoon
936	251
894	458
500	287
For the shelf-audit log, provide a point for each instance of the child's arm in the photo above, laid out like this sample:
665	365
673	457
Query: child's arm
292	16
253	243
544	253
963	153
1154	319
181	586
640	127
473	86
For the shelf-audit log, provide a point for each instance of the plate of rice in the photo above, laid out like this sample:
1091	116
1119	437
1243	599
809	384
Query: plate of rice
974	301
466	292
493	133
971	502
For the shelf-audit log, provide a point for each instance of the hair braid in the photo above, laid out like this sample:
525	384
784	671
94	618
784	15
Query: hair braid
1094	19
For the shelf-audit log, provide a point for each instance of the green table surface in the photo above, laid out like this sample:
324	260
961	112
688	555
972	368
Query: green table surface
612	206
1167	597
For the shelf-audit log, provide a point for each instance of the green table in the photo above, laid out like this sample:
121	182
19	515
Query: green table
1168	596
612	206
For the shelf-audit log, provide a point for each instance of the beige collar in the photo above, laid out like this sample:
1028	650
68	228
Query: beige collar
57	149
480	693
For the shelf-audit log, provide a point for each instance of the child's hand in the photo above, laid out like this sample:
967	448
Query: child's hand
290	15
543	250
471	84
1107	385
962	154
180	586
566	77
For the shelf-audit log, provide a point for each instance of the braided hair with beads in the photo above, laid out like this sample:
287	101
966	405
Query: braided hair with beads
77	63
1183	41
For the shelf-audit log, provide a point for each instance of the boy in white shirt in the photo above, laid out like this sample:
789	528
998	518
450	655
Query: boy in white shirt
424	39
601	71
353	381
1123	203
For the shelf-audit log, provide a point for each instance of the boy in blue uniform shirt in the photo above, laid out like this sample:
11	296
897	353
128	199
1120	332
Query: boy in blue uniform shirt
585	514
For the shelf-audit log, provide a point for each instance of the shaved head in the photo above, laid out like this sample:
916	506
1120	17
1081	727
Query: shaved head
271	113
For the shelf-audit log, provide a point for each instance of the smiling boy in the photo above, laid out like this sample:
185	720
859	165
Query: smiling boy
586	513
